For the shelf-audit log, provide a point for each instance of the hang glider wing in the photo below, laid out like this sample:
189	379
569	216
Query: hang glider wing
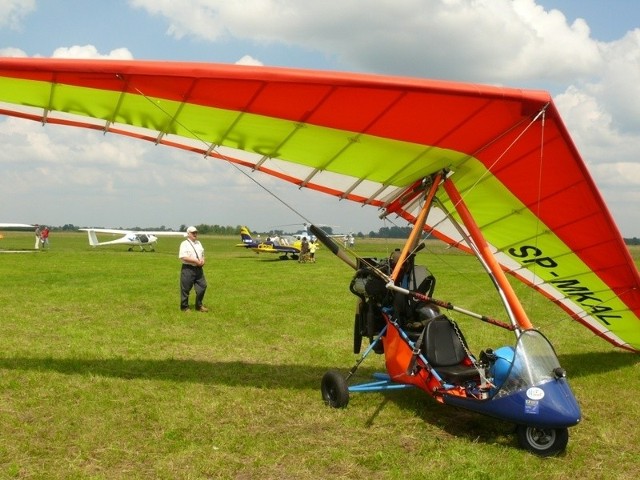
373	139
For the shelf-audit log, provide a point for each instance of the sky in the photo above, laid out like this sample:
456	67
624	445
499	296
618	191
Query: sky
586	53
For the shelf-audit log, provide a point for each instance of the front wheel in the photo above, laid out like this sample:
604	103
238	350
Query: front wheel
335	391
545	442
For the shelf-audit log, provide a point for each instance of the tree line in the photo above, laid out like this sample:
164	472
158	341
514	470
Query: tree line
207	229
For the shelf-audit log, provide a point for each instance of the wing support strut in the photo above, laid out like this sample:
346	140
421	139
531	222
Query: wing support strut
514	307
418	226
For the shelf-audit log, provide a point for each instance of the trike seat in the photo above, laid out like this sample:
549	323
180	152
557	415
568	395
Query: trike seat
445	351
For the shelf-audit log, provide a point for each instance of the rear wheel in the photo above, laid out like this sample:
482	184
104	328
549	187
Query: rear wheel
335	391
545	442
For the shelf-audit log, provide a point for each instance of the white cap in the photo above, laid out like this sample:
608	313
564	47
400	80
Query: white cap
192	229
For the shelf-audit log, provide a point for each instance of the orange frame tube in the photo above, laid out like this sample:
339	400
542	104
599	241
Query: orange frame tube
417	227
483	248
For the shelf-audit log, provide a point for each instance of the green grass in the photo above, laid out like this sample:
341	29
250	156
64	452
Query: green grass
102	377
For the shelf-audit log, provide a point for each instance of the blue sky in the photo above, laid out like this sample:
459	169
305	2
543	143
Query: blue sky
585	52
607	19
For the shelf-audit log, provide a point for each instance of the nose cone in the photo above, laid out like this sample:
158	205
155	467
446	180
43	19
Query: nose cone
558	406
549	405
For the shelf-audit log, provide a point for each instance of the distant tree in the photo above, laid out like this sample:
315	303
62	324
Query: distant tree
391	232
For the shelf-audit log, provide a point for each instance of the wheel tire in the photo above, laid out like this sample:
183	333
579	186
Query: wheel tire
335	391
544	442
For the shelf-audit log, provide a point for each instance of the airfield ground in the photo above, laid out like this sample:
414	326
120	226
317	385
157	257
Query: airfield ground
101	375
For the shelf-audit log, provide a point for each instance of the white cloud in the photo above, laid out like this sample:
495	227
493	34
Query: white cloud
603	116
197	18
13	11
501	41
90	51
12	52
619	81
249	60
125	180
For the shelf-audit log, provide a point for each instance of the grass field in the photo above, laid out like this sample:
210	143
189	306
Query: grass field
102	377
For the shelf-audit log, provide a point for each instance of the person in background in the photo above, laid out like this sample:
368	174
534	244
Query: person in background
304	250
38	233
313	246
191	255
44	235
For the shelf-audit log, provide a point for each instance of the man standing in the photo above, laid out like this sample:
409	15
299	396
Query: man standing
45	237
38	234
192	275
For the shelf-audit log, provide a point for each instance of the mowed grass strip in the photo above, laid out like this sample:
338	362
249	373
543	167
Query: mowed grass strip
101	375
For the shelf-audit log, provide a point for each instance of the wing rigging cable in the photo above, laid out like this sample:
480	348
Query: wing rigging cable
372	140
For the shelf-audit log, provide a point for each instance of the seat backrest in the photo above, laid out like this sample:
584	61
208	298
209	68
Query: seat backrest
442	345
423	281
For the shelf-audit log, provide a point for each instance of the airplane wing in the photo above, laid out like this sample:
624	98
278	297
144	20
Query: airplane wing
116	231
17	226
373	140
269	248
105	230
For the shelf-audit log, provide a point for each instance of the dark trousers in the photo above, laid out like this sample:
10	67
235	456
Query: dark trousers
192	277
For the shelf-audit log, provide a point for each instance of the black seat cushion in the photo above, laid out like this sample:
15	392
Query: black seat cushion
445	352
442	346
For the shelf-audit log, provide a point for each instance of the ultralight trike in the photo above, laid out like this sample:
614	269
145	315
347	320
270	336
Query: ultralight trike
424	348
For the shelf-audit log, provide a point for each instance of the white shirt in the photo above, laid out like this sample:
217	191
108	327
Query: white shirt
189	249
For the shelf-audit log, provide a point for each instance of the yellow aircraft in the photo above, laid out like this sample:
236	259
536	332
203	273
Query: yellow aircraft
287	247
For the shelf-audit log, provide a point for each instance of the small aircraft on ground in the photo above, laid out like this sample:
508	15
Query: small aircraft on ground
143	239
288	247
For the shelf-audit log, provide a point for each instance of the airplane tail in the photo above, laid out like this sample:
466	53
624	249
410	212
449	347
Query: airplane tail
93	239
245	236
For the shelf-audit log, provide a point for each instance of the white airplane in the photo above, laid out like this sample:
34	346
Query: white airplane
16	226
133	238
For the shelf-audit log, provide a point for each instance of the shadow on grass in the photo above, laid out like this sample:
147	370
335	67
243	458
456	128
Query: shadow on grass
451	421
454	421
239	373
584	364
265	259
231	373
